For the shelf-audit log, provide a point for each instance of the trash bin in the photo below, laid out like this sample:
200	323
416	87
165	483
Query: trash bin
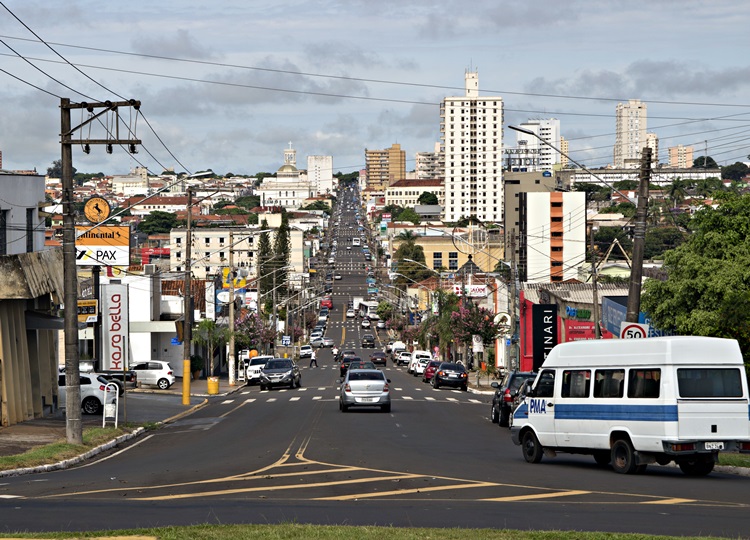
213	385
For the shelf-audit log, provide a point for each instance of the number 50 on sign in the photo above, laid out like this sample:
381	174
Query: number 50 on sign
633	330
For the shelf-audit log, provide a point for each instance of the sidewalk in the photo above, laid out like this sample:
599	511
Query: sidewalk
19	438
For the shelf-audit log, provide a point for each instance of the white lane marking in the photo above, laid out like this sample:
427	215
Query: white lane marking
474	401
399	389
227	401
301	389
294	399
147	437
245	392
10	496
451	399
269	400
249	400
321	387
407	397
316	398
428	398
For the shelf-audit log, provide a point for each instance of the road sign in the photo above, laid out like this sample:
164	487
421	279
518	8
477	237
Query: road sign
630	330
286	340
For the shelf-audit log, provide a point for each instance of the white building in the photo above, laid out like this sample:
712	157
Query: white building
429	165
290	188
320	173
472	139
630	133
135	183
549	131
210	250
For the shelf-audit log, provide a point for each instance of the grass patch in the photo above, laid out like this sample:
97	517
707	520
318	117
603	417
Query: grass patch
329	532
734	460
61	450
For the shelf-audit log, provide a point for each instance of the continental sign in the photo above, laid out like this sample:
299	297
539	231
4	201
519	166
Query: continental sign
105	245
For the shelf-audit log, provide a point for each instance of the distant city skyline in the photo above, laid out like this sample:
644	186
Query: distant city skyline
225	88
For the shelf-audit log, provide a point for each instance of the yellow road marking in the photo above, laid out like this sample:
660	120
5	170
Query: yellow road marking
670	501
405	491
538	496
275	488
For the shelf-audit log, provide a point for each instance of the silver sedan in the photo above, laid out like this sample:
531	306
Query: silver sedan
365	388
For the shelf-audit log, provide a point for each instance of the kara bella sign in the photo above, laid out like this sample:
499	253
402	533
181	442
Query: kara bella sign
103	246
115	327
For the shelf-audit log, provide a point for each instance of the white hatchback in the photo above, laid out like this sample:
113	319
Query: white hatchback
154	372
93	389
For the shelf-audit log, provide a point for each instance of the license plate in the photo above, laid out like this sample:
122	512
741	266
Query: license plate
714	446
367	399
452	375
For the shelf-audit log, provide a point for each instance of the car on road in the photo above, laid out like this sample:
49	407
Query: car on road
154	372
402	357
450	374
368	340
430	370
349	313
418	362
93	388
337	276
327	302
379	357
362	364
316	334
380	325
327	342
254	367
331	260
305	351
366	323
505	393
280	372
364	388
345	362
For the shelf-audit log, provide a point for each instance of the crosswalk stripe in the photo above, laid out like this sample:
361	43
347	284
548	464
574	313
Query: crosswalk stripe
316	398
227	401
428	398
249	400
407	397
294	399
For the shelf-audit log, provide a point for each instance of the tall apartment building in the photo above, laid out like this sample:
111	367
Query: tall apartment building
564	147
652	142
549	131
472	135
385	166
429	165
680	157
630	133
320	173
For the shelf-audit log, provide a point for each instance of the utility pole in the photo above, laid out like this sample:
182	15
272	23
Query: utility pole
595	290
639	239
232	365
73	422
186	305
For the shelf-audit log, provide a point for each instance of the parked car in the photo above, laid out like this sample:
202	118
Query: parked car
379	357
449	374
366	323
368	340
154	372
305	351
345	362
93	389
380	325
430	370
364	388
317	341
350	313
327	302
280	372
327	342
254	367
505	393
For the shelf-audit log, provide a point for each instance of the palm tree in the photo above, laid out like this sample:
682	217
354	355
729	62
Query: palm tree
407	236
677	191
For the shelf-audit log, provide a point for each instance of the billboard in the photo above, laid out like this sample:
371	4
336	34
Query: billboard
103	245
115	326
544	331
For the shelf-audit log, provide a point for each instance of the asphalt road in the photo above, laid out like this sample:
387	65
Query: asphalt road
291	456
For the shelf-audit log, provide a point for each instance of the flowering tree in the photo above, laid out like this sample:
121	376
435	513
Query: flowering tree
251	332
469	321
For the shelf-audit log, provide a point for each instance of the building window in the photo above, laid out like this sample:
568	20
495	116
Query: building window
178	240
29	230
437	261
453	260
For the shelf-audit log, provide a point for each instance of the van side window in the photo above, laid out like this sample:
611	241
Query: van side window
644	383
709	382
546	385
576	383
609	383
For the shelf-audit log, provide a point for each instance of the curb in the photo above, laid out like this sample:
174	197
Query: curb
99	449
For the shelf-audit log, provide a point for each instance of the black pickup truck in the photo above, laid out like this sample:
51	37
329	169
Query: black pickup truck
123	379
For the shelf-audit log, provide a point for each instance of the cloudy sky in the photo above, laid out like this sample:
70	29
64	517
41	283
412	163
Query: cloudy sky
227	84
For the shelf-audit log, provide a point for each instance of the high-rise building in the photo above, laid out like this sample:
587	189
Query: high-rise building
564	145
472	137
320	173
429	165
652	142
630	133
549	131
385	166
680	157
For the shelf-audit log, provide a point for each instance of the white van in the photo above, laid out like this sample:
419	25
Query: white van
633	402
419	361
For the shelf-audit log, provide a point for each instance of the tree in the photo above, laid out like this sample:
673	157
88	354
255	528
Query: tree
736	171
660	239
677	191
265	278
604	237
208	334
158	222
427	197
56	170
282	247
248	202
707	291
704	162
408	214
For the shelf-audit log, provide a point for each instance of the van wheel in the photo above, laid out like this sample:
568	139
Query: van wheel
697	466
623	458
602	458
532	450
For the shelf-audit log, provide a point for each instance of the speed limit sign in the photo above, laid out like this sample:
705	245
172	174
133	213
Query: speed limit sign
633	330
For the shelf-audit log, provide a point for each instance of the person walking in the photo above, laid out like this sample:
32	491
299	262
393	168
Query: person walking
313	360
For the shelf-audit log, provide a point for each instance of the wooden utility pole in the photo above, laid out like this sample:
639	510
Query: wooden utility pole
230	276
187	303
73	423
595	288
639	239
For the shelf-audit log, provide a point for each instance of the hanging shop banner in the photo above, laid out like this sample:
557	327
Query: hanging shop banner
115	327
104	245
544	331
